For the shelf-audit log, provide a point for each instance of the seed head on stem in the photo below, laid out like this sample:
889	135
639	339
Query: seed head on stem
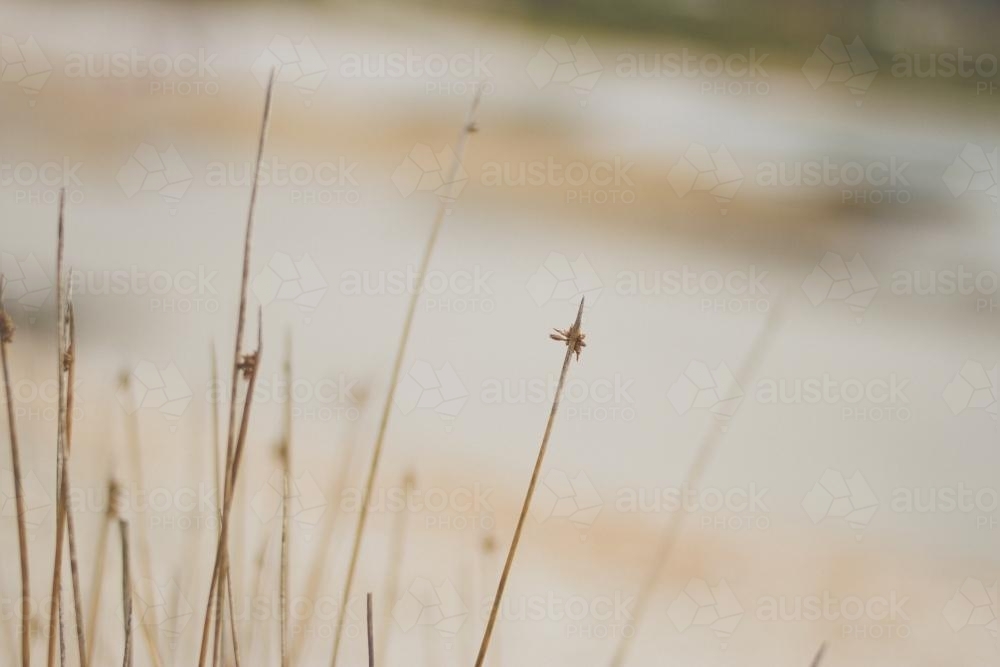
573	338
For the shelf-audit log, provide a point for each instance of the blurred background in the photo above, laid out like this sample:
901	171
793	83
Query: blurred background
782	216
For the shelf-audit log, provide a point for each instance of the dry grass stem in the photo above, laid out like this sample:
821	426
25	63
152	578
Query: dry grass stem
371	631
126	593
249	366
69	365
818	658
317	570
100	560
6	338
286	462
145	556
703	455
237	351
395	564
55	612
468	128
574	340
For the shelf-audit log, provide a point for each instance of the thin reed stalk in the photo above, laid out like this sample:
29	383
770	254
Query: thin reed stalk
97	578
818	658
144	554
55	607
6	338
219	493
371	631
488	550
126	593
10	643
238	347
468	128
249	366
69	366
315	578
396	547
703	455
286	461
260	561
574	340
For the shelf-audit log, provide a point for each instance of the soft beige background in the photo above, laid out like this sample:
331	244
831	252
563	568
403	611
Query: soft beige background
643	342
